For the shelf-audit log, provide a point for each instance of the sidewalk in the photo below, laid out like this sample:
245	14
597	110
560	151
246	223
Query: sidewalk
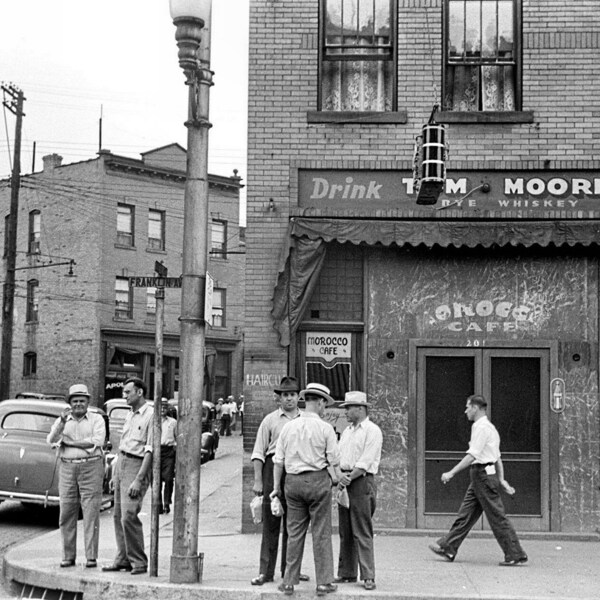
406	569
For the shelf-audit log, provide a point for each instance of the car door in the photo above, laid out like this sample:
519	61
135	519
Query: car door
29	462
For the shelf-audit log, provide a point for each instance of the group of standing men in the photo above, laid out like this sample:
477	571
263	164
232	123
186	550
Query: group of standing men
298	459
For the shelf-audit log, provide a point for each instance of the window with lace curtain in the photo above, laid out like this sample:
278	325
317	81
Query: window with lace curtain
481	70
358	53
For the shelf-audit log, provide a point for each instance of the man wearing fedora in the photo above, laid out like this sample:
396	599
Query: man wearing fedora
262	459
307	447
79	435
360	453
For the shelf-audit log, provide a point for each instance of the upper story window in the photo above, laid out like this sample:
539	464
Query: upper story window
35	222
31	312
218	238
151	302
123	298
218	308
125	224
29	364
156	229
358	56
481	68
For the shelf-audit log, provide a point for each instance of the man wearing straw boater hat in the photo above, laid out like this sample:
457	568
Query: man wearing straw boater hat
306	448
79	435
262	459
360	453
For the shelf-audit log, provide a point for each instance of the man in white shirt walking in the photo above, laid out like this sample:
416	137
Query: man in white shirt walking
483	493
360	453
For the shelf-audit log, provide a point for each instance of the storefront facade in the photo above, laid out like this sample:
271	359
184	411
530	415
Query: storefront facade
492	290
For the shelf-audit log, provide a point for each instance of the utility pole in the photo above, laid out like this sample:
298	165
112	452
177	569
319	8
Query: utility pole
15	105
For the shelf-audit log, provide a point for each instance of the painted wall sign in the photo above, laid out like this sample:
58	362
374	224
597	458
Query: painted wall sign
557	395
484	316
515	190
328	346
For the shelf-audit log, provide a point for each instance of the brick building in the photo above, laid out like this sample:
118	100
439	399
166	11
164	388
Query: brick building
114	217
493	289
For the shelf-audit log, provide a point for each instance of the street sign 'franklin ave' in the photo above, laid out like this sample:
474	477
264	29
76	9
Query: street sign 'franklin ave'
166	282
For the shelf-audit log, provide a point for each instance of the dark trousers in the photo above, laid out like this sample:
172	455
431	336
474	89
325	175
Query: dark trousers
308	498
356	529
272	525
167	473
225	425
483	496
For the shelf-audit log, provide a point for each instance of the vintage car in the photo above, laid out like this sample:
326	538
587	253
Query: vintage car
28	464
117	410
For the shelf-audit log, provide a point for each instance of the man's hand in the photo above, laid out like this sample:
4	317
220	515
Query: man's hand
345	480
275	492
509	489
257	488
446	477
64	414
134	489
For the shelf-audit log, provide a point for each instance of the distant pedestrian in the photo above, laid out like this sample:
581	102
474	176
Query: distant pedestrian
168	447
226	419
307	447
360	453
483	493
80	436
262	459
234	412
131	479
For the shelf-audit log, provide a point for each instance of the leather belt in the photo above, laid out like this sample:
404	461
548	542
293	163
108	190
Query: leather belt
80	460
129	455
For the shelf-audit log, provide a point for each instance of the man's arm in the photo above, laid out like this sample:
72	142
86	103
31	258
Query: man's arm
257	488
277	473
136	484
466	462
509	489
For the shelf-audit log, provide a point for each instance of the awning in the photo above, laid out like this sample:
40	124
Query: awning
468	234
304	249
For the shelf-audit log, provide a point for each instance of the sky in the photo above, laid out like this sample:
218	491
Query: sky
78	60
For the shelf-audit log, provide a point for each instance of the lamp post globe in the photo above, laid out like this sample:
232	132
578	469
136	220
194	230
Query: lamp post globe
196	9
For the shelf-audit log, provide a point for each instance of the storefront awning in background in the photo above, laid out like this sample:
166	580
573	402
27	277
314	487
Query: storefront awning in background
304	249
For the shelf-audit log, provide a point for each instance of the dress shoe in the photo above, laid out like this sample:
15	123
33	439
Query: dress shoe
370	584
514	562
67	563
303	577
441	552
260	580
91	563
344	580
287	589
326	588
117	567
139	570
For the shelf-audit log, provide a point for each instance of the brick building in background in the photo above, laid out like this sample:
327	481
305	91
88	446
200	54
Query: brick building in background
115	217
494	289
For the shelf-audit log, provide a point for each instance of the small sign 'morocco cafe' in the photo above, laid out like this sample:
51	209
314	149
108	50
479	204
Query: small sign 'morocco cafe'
328	346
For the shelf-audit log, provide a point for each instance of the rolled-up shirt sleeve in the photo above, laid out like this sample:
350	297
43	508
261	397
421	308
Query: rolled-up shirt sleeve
261	444
279	456
98	431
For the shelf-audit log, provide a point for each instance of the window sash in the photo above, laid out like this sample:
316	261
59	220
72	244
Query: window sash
123	298
156	229
35	220
29	364
125	220
32	301
217	318
481	70
218	237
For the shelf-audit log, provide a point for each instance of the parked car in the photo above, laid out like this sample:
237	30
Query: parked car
40	396
117	410
28	464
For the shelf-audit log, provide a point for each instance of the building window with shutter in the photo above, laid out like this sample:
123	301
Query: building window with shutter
35	221
125	225
32	301
481	55
156	229
358	56
123	298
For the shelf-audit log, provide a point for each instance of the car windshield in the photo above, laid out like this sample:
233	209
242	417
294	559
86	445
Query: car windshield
29	422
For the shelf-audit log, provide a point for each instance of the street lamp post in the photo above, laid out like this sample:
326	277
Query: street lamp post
192	20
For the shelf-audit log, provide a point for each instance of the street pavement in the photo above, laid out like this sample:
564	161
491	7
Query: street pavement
406	570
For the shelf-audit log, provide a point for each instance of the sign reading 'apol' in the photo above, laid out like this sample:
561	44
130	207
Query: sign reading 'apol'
167	282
